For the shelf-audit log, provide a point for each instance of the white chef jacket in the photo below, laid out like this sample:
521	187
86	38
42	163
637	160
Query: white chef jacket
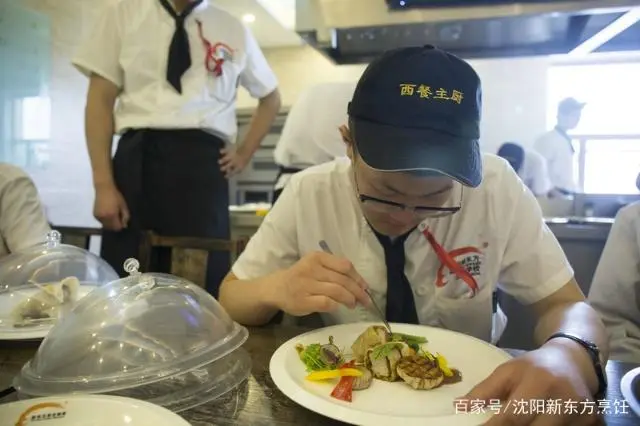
310	135
557	150
22	219
615	289
129	45
499	235
534	173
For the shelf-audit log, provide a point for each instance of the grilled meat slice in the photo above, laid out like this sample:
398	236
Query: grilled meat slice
420	372
383	359
364	381
371	337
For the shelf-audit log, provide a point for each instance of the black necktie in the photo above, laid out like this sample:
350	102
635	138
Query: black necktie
179	52
400	304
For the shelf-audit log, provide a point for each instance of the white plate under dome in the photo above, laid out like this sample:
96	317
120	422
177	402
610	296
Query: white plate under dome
40	284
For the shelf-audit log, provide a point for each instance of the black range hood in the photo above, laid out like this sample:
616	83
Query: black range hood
526	28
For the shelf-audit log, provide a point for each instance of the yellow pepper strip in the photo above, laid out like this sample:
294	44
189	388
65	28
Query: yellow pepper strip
442	363
332	374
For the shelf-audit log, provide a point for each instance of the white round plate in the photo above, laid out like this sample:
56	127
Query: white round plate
385	403
87	410
628	387
28	333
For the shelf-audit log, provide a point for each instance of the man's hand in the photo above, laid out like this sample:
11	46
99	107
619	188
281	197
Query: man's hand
319	282
232	161
110	208
555	372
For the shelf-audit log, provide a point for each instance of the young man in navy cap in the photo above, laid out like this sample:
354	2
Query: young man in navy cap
430	226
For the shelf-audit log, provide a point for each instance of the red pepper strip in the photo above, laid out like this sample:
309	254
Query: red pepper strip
344	389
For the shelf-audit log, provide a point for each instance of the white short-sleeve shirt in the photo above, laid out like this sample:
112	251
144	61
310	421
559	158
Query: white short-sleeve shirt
129	45
499	235
615	289
558	153
311	135
534	173
22	219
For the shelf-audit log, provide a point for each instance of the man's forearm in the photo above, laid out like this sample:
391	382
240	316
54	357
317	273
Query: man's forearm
249	302
99	133
99	127
582	320
261	122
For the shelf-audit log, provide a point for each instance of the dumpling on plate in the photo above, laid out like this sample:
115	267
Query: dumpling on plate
373	336
46	303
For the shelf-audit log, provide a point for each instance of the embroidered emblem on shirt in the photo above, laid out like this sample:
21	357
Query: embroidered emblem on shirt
470	258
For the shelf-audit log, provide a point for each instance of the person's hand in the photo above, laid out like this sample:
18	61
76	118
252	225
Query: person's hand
110	208
546	387
319	282
232	161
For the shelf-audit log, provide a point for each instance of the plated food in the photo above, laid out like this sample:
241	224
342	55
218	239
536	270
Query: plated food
377	354
46	305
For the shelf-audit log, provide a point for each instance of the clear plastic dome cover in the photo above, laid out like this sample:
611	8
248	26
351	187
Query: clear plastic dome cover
43	282
154	337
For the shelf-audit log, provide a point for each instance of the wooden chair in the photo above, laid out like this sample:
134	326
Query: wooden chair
77	236
189	255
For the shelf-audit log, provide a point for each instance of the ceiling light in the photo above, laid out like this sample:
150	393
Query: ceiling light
249	18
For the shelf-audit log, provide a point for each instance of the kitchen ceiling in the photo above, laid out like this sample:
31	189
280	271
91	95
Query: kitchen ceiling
269	26
355	31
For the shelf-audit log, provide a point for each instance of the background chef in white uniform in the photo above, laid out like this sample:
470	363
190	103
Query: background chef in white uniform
530	166
174	67
555	146
22	218
309	136
615	289
419	216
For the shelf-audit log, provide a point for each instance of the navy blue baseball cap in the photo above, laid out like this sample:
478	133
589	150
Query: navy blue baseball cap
419	108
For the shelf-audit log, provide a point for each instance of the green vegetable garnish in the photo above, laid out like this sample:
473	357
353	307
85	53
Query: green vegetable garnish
414	342
384	350
317	357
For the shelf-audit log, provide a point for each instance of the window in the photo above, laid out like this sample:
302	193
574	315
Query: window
610	165
33	118
607	139
611	92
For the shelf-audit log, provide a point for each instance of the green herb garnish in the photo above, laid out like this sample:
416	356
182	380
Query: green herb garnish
317	357
385	349
414	342
310	356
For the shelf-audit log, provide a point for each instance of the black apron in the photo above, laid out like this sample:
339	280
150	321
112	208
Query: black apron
173	185
282	170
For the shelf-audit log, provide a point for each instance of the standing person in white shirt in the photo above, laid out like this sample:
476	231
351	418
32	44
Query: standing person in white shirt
556	147
309	135
430	226
22	219
530	166
615	289
173	67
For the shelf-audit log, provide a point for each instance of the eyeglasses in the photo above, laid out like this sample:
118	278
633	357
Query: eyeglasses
389	207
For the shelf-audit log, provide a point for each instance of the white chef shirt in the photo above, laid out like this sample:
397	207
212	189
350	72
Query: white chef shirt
22	219
310	135
129	45
534	173
499	235
556	149
615	289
